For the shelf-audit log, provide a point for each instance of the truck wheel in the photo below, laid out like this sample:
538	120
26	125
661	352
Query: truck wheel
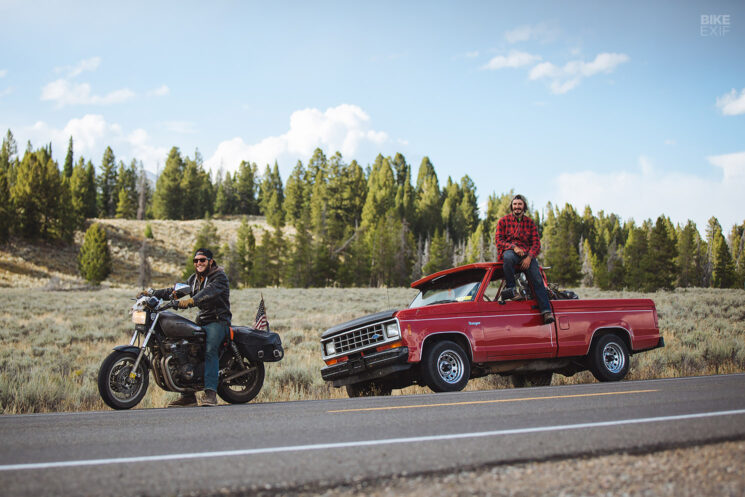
540	379
445	367
609	359
368	389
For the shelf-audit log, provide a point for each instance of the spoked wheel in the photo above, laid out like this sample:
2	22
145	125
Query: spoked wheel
445	367
118	389
609	359
243	388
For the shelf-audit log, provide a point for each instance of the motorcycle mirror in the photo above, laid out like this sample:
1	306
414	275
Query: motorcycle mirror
181	289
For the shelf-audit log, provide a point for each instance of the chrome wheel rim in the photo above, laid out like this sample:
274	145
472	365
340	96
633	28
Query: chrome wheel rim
120	384
450	367
613	358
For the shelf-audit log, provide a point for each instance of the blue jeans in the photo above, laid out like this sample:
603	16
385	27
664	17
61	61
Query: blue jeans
216	333
511	261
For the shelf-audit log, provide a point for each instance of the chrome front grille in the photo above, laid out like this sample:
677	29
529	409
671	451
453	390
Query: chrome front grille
359	338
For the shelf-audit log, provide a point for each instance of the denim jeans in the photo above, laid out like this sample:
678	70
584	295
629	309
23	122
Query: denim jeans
511	261
216	333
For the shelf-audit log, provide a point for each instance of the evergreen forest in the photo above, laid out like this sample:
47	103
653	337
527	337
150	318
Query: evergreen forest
333	223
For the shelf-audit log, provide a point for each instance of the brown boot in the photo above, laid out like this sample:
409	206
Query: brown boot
209	398
548	317
186	400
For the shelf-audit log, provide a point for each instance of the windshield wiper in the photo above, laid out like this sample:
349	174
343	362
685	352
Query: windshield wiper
446	301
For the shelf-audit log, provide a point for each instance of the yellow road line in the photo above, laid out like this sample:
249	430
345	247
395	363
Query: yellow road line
449	404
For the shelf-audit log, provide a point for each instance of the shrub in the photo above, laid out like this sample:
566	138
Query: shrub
94	260
148	231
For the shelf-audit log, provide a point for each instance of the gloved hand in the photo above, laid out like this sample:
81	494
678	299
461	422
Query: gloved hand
144	293
186	303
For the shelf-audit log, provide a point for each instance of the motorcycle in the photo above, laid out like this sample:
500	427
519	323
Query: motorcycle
172	347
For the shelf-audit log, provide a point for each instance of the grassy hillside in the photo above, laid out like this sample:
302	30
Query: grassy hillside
54	266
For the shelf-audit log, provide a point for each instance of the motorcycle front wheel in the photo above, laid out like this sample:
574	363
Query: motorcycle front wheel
243	388
118	390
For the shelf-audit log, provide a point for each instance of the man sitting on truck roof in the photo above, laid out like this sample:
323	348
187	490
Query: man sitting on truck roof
518	245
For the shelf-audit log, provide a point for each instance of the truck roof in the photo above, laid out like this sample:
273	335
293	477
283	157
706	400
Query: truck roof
439	274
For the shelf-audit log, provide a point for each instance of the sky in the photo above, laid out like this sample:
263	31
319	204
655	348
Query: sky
635	108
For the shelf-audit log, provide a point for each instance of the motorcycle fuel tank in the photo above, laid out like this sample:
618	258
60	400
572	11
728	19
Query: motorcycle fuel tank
175	326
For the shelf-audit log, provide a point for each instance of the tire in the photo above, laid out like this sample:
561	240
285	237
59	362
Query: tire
445	367
117	390
368	389
538	379
609	358
244	388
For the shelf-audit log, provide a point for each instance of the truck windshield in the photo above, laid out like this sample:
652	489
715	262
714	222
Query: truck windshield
458	287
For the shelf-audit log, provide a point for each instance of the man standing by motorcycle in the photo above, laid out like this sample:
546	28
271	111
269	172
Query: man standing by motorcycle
210	292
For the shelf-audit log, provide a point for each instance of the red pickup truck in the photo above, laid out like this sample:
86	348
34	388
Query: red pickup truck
457	328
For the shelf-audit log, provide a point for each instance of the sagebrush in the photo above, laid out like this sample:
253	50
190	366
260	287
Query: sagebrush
52	342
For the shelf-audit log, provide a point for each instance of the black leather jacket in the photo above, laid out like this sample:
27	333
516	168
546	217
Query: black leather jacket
211	295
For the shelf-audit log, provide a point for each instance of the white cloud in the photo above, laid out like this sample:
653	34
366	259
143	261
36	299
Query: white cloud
160	91
732	104
82	66
564	79
63	92
647	193
542	32
345	128
3	73
91	135
513	59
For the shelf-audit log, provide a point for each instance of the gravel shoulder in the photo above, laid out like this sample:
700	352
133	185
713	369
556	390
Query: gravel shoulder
708	470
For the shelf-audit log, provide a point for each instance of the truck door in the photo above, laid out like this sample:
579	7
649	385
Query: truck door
513	329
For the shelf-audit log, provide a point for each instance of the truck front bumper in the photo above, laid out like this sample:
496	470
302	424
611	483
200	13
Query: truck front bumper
370	366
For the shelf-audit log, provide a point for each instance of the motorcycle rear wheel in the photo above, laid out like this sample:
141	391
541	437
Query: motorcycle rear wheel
116	387
244	388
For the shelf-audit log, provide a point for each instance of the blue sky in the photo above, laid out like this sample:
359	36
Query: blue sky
636	108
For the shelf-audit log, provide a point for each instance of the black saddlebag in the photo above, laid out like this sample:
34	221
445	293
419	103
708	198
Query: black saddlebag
258	345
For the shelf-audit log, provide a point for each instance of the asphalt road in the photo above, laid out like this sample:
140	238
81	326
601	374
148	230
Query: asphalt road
281	446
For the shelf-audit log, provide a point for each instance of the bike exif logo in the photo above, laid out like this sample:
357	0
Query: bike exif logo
717	25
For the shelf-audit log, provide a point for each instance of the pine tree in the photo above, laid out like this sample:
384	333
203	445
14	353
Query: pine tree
272	197
144	193
89	191
562	240
67	168
168	197
723	270
246	187
28	195
94	260
428	204
381	193
439	253
226	201
296	197
245	248
107	194
661	254
6	207
405	194
687	247
636	260
126	188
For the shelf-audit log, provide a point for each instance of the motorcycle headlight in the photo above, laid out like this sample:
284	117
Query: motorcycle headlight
329	347
139	317
392	331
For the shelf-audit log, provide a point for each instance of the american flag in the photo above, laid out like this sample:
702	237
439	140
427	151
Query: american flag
261	323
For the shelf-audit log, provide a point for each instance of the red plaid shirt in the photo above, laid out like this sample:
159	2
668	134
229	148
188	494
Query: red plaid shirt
512	233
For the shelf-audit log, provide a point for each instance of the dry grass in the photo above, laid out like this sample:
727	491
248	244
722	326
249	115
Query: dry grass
52	342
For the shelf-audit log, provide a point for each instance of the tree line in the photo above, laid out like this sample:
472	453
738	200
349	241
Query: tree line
338	223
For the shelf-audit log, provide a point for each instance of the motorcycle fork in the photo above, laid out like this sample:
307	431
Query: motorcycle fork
133	373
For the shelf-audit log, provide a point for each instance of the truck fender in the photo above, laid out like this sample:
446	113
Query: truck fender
458	337
619	330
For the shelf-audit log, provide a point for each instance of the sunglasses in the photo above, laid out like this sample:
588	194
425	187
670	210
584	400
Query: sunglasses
201	259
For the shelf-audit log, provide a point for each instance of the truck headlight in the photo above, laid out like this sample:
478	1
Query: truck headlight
329	347
139	317
391	330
